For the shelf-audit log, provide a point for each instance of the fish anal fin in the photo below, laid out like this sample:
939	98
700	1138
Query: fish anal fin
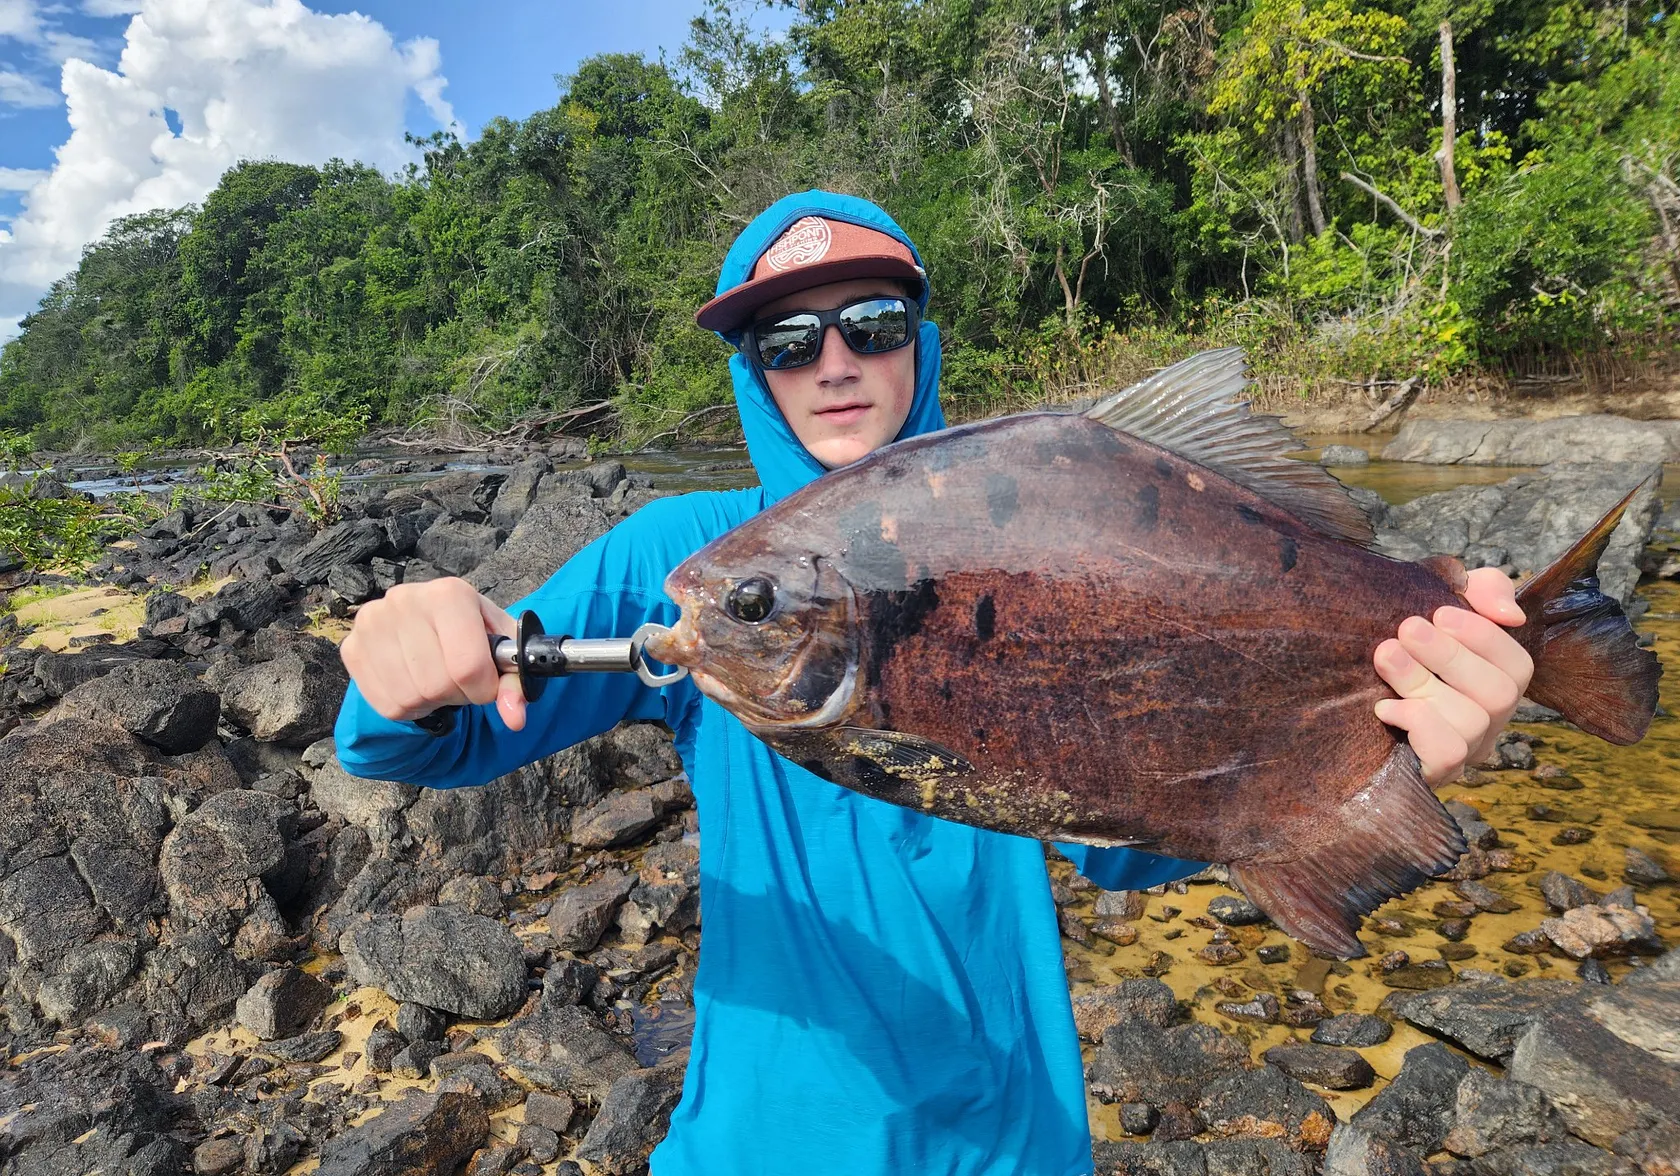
908	757
1386	840
1196	409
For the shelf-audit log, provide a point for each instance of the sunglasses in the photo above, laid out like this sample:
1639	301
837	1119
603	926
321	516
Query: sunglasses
869	326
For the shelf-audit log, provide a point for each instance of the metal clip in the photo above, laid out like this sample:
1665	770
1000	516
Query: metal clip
536	657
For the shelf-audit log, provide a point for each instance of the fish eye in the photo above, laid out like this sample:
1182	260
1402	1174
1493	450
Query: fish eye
751	600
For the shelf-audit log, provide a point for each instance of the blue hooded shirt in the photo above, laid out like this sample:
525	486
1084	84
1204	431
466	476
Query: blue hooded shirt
879	991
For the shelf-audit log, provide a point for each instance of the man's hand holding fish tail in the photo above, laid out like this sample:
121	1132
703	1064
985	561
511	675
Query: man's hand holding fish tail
1459	679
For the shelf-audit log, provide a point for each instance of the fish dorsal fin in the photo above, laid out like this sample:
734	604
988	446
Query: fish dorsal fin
1196	409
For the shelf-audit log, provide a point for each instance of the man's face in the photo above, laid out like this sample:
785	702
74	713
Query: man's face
844	405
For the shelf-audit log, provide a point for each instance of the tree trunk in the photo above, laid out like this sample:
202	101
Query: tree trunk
1105	99
1292	181
1449	117
1309	157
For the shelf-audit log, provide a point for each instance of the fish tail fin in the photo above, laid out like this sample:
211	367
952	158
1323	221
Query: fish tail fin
1390	837
1587	662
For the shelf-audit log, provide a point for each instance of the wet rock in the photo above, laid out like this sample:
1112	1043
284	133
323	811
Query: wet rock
1609	1059
562	1048
1221	954
580	914
1322	1065
350	542
1563	893
1120	932
89	1110
1642	869
1425	974
1137	1118
440	957
1343	455
1352	1029
619	819
382	1047
1415	1109
1099	1010
1140	1062
282	1003
1262	1008
1485	1017
1267	1103
1235	912
1485	898
424	1135
1128	905
292	699
1274	953
158	702
1126	1158
1354	1151
1601	930
633	1119
1493	1112
416	1022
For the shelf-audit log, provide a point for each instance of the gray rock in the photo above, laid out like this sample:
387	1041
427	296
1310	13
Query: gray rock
579	915
416	1022
163	606
1343	455
1415	1109
60	673
1354	1151
193	980
553	1111
1564	1157
350	542
1267	1103
633	1118
213	863
425	1134
88	1110
1352	1029
291	699
1494	1112
541	1144
415	1060
441	957
468	495
247	605
1322	1065
156	701
46	910
473	893
483	1082
282	1003
619	819
306	1047
1609	1059
381	1049
555	528
562	1047
1235	912
518	492
1099	1010
456	548
1140	1062
1128	1158
1598	439
1563	893
1642	869
371	805
1121	904
86	978
1485	1017
353	583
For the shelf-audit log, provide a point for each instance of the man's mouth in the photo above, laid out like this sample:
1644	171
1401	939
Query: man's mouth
846	413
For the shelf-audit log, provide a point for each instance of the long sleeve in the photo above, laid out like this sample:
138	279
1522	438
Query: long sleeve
606	590
1127	869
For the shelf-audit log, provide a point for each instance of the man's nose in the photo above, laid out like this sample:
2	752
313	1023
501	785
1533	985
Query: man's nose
836	364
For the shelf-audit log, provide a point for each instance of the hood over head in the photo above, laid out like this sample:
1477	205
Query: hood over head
783	464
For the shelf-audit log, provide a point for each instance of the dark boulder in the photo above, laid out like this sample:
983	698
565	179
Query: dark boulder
349	542
440	957
1415	1109
159	702
424	1135
633	1119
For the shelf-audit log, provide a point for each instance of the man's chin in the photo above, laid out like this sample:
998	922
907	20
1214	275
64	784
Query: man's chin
834	452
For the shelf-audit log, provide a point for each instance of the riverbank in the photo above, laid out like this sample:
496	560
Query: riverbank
202	910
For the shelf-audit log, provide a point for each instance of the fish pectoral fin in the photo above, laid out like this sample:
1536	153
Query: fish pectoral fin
1389	838
906	756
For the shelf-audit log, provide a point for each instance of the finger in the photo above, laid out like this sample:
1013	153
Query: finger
461	641
510	695
1489	688
1492	594
1439	748
423	656
1412	680
1490	643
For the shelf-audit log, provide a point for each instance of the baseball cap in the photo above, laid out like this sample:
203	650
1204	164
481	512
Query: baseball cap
813	251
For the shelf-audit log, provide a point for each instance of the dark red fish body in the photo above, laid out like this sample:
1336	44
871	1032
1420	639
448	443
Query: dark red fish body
1050	627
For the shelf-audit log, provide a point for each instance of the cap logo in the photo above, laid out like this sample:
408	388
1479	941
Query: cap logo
805	242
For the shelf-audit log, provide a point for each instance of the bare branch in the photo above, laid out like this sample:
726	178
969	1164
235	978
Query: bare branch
1411	221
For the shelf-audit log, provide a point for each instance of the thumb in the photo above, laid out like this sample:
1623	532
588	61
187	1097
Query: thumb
1491	593
510	699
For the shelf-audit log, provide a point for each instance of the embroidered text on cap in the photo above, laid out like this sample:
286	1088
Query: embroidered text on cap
806	241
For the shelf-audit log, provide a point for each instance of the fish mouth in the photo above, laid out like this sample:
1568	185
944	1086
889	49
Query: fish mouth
679	645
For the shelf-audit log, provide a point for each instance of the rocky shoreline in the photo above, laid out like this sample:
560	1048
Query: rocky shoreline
219	952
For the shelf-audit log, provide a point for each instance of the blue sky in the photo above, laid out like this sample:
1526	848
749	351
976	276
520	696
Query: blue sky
170	98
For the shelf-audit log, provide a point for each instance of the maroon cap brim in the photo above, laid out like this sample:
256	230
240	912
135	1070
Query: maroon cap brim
734	309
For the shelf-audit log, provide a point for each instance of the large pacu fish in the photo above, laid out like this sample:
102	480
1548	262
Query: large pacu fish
1143	625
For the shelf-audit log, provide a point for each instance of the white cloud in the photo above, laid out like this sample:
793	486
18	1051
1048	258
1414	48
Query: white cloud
248	79
19	90
111	7
19	179
20	20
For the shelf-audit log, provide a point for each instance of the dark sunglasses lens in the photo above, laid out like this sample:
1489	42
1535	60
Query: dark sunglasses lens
880	324
789	342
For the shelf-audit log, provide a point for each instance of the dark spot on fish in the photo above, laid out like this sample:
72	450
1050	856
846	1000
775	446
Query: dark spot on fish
980	734
1248	514
985	618
819	678
1287	552
1148	508
945	689
871	562
895	617
1002	498
1163	467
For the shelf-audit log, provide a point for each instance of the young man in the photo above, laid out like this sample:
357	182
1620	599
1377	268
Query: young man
880	991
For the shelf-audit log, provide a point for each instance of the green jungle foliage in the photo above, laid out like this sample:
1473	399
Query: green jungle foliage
1094	184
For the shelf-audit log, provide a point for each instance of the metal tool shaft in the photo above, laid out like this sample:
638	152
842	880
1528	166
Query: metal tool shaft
537	656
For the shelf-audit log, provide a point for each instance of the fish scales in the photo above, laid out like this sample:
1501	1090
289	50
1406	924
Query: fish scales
1143	625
